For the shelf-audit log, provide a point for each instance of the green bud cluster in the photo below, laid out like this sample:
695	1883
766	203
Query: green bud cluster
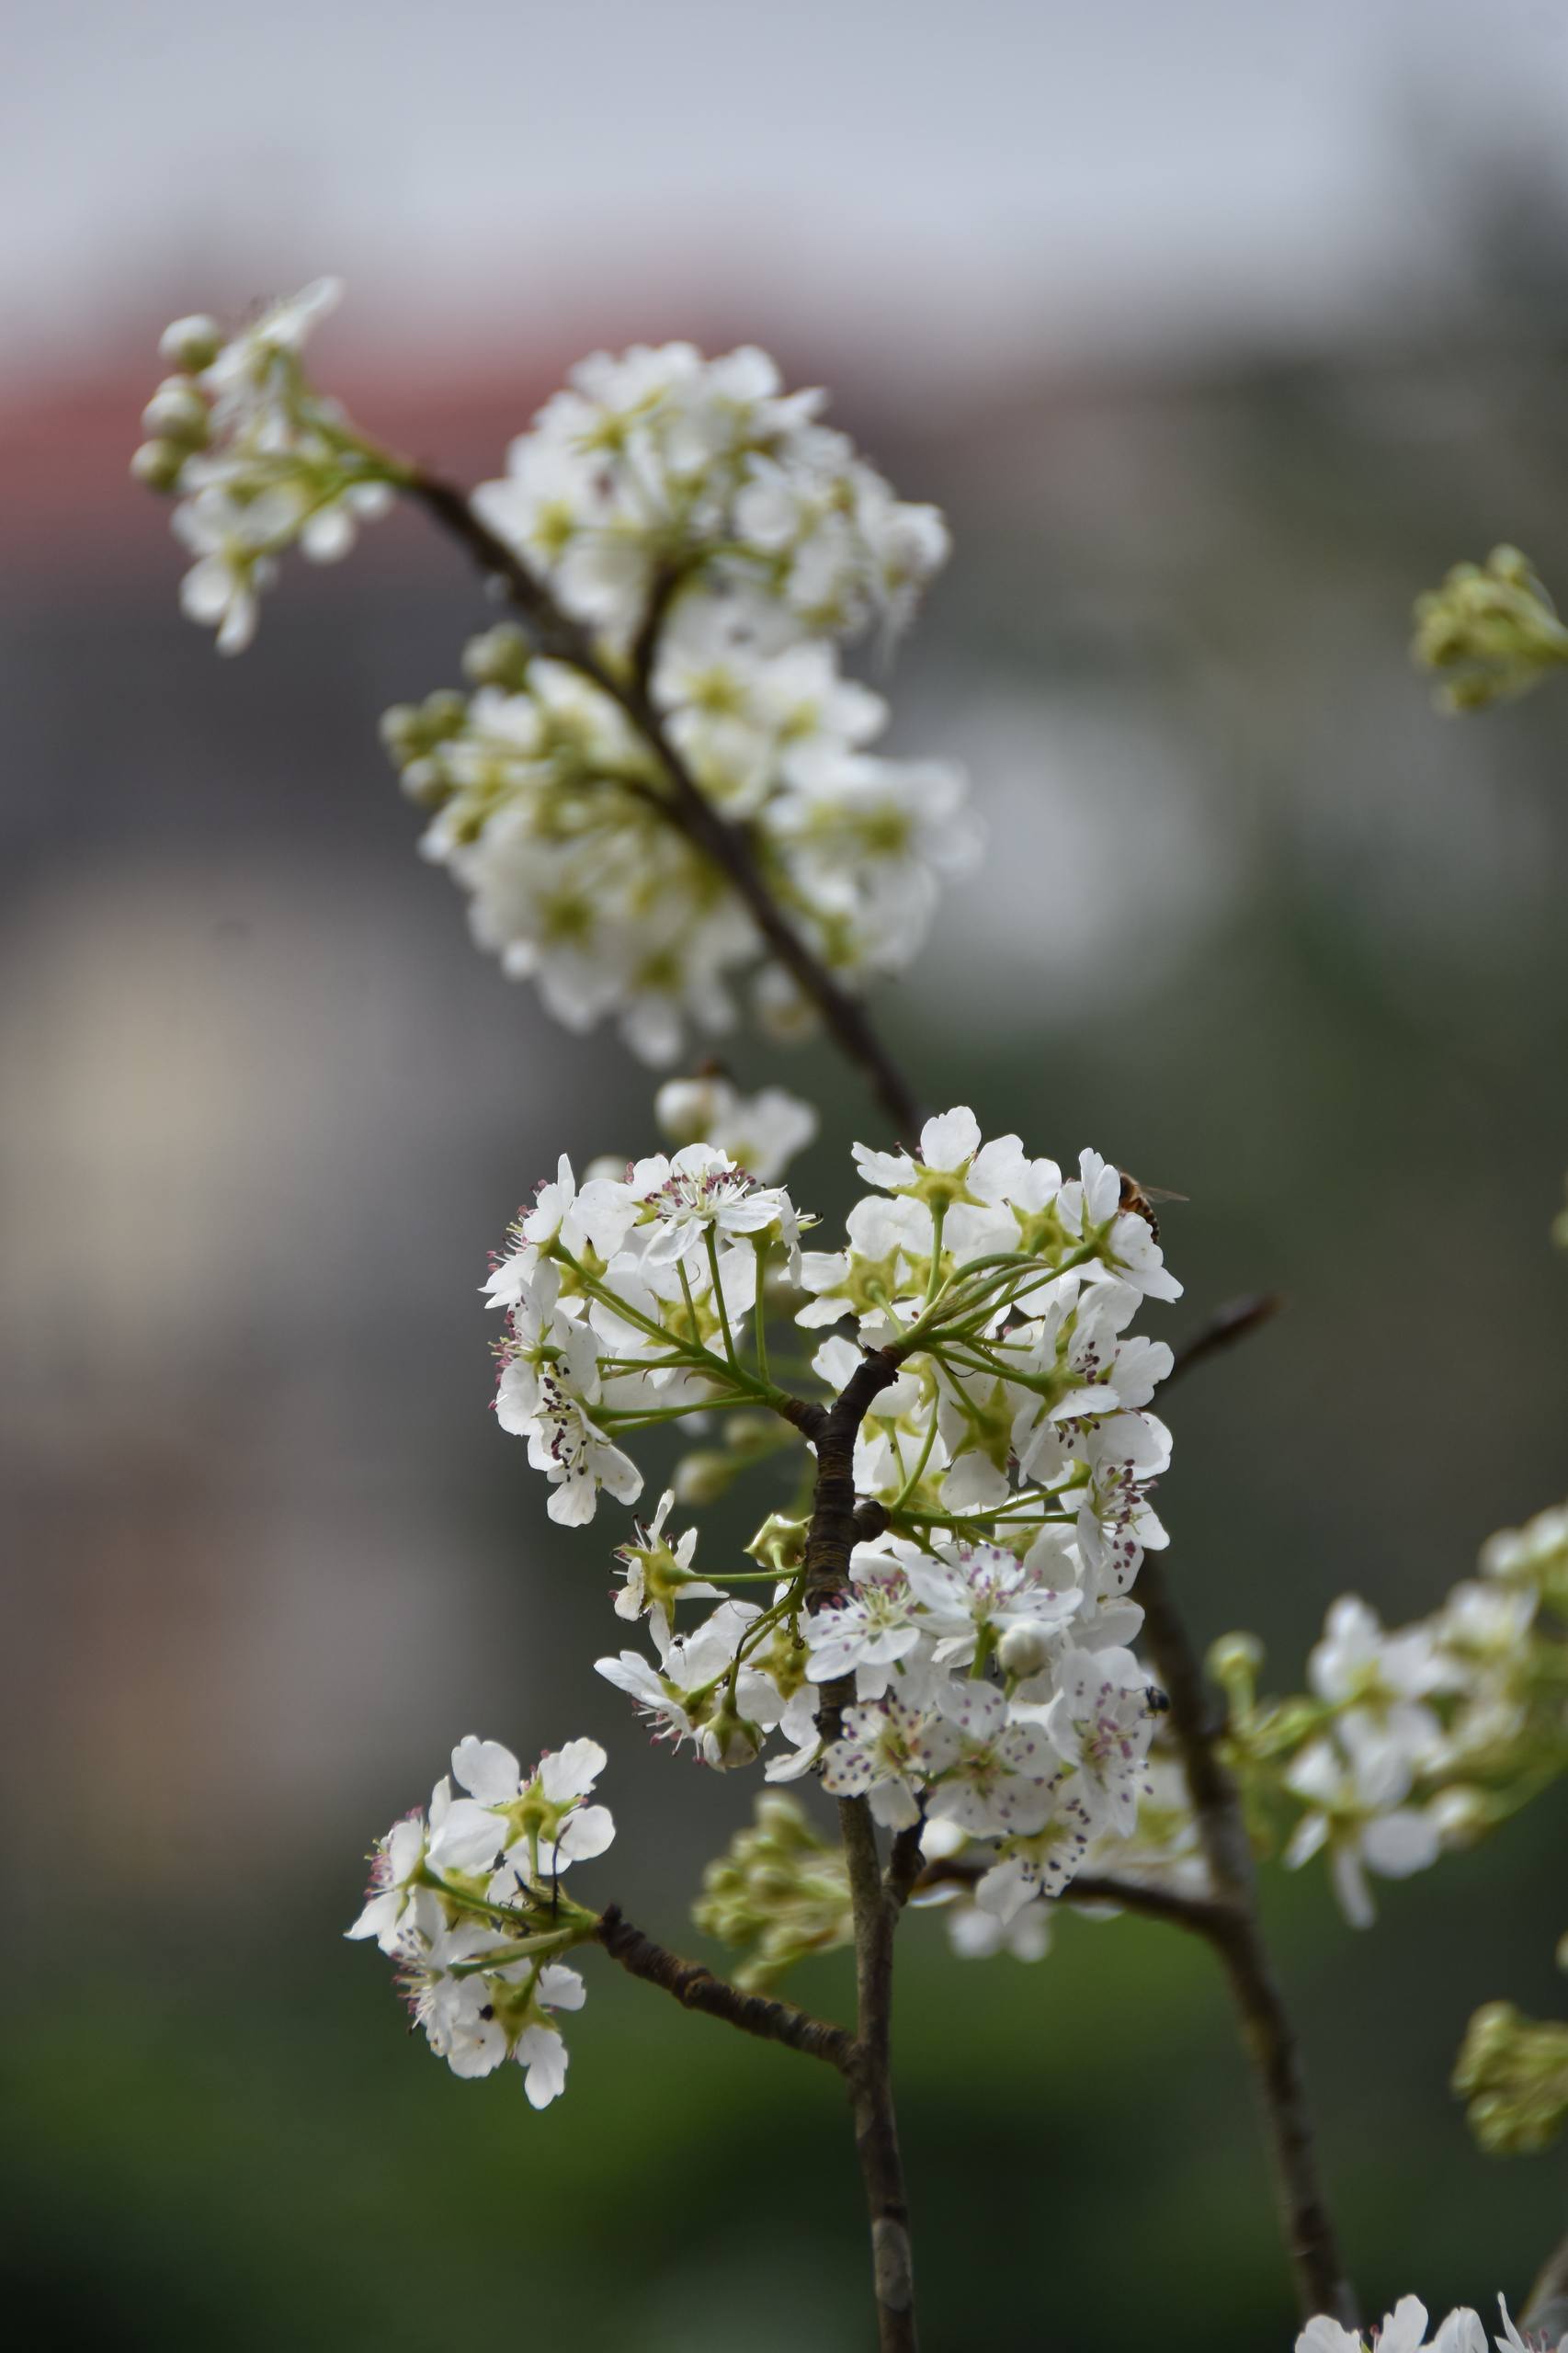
1512	2072
776	1895
413	731
1493	627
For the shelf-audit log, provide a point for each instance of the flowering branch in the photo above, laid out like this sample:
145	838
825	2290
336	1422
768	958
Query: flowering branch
726	844
658	781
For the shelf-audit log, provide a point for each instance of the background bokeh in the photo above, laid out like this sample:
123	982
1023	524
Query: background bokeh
1218	332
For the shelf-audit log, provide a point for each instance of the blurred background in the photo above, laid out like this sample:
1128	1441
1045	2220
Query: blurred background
1218	332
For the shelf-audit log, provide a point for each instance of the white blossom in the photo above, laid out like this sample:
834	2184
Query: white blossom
1355	1809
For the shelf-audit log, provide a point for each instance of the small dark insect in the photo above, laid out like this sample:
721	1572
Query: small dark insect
1155	1700
1140	1199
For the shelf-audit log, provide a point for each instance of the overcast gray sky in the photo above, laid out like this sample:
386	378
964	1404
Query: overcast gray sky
1023	172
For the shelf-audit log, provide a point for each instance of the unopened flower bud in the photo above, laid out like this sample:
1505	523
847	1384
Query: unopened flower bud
731	1739
780	1544
1460	1815
156	464
192	344
1235	1655
498	658
702	1477
1025	1648
686	1108
176	412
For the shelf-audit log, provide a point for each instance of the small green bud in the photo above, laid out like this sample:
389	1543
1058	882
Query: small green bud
157	464
702	1477
192	343
499	658
780	1544
1235	1661
177	413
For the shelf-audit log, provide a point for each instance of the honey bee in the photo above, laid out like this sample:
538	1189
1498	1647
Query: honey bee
1139	1198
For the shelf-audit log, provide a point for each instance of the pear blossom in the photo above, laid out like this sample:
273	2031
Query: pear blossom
1099	1720
887	1750
657	1575
1402	2331
999	1779
395	1904
1355	1809
1378	1682
540	1818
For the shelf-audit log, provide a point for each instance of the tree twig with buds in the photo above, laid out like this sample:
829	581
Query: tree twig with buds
566	639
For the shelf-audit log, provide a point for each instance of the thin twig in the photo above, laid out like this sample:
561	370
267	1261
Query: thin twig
1200	1916
1229	1323
726	845
1267	2033
697	1988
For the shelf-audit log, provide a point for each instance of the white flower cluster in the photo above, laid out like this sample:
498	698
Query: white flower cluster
1161	1850
262	463
657	464
466	1899
1417	1740
979	1650
623	1300
1405	2331
692	491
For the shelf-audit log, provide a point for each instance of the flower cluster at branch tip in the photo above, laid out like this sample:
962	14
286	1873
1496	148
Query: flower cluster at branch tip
707	530
1414	1741
261	462
1405	2331
467	1899
701	546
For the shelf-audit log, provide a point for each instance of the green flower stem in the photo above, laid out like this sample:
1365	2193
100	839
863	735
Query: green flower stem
713	1243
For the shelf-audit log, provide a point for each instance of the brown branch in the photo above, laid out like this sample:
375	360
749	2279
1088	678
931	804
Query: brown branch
836	1528
1200	1916
876	2125
1232	1322
1267	2033
697	1988
728	847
